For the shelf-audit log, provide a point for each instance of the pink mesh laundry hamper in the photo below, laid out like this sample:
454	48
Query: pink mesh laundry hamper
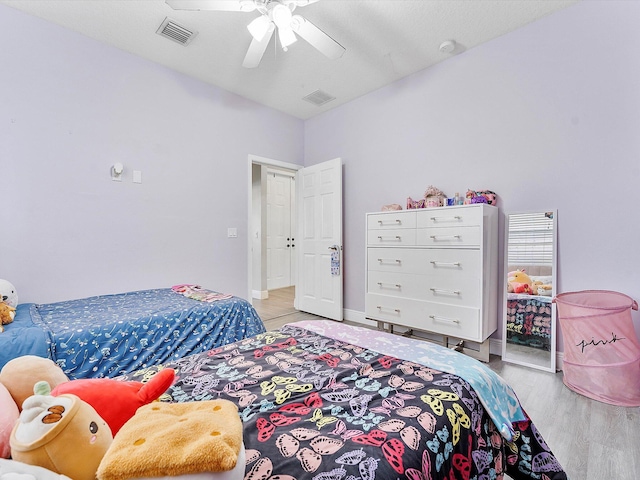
601	349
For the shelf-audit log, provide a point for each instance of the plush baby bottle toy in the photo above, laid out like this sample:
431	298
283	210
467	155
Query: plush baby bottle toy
63	434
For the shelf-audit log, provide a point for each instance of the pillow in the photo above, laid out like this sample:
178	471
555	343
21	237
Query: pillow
545	279
11	469
8	416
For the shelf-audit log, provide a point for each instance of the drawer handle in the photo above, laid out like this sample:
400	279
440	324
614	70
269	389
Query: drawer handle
397	222
391	285
444	264
444	319
397	237
443	237
383	260
442	290
380	307
446	219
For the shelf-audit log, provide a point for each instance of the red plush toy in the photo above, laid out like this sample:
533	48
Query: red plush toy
117	401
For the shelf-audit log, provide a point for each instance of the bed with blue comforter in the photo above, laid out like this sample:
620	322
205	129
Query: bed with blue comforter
110	335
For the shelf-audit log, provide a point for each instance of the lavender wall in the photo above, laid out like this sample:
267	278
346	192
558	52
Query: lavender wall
547	116
69	108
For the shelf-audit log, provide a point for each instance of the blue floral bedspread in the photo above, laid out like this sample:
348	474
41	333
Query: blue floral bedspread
110	335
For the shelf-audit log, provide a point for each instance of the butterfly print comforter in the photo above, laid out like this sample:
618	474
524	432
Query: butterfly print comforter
317	408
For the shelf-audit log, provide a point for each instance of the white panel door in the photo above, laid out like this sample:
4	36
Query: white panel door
279	231
319	200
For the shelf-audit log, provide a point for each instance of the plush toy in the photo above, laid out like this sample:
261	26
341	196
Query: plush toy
117	401
179	441
434	196
8	416
492	197
7	314
62	434
519	282
12	470
8	293
472	197
20	374
411	203
538	288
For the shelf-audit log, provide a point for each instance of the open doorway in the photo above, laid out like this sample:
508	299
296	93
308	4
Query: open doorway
272	259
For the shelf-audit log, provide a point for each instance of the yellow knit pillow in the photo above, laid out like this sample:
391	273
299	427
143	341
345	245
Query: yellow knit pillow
172	439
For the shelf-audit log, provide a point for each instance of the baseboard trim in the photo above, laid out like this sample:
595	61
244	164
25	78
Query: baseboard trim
260	294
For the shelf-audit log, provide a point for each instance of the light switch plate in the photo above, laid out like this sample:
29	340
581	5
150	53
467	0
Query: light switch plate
137	176
232	232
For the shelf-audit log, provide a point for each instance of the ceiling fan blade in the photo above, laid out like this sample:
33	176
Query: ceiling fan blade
316	37
257	49
219	5
299	3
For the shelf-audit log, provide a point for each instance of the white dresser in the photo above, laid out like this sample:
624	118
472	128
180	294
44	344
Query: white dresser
435	270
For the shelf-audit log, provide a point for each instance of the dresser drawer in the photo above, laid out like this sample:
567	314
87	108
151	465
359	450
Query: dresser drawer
448	236
392	237
461	290
454	321
449	217
404	285
397	260
443	262
391	220
391	309
452	262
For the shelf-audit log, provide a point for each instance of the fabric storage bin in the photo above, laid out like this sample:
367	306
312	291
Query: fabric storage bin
601	349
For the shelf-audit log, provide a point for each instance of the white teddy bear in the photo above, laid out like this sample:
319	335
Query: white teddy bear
8	293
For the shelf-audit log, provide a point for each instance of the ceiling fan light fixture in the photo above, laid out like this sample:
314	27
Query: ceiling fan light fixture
287	37
281	16
274	14
259	27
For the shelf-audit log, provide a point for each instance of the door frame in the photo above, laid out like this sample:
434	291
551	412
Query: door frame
263	162
290	177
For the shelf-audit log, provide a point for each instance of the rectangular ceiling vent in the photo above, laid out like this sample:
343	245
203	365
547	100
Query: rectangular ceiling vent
319	98
173	31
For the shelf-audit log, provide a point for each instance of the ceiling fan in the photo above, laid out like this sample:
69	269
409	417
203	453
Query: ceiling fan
275	15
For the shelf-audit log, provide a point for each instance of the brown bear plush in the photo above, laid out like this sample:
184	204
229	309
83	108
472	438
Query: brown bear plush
7	314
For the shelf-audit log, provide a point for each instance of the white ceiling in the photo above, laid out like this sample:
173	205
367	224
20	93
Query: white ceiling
385	40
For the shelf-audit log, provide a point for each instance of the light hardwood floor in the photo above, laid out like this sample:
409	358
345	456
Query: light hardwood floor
279	303
592	440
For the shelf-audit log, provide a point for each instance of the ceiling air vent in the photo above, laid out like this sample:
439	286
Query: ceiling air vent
179	34
318	98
